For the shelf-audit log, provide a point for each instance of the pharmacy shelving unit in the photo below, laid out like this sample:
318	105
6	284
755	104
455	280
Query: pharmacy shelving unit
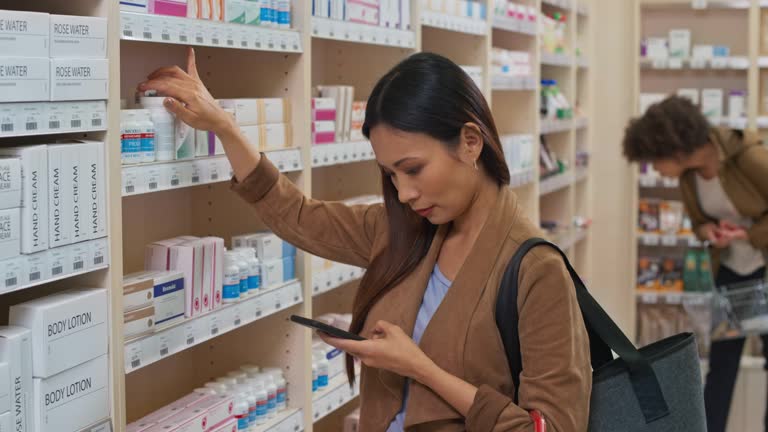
742	71
154	201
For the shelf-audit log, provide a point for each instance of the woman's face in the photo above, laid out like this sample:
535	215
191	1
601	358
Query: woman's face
436	182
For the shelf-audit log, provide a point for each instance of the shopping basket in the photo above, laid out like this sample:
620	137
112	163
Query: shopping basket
740	309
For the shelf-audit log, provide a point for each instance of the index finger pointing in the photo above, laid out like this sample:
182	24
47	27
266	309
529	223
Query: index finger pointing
192	63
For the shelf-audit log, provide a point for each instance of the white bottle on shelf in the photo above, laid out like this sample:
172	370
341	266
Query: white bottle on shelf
323	369
229	382
269	384
217	387
314	373
165	146
246	389
231	290
254	269
241	412
130	137
243	265
147	136
251	370
282	387
240	376
262	399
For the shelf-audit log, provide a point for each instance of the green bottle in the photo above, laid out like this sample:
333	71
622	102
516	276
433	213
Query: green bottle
691	271
705	271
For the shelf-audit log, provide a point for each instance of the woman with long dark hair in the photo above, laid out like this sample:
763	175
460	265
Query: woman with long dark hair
435	252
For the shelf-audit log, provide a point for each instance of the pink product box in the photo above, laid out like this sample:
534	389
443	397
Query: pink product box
213	273
362	13
156	418
168	7
229	426
188	420
323	132
188	401
372	3
323	109
220	409
188	258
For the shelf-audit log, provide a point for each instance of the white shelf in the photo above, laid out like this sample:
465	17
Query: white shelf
647	181
291	420
360	33
337	394
164	343
522	178
717	63
514	25
551	126
668	240
187	31
565	4
336	276
454	23
514	83
45	118
562	60
341	153
159	176
650	297
555	183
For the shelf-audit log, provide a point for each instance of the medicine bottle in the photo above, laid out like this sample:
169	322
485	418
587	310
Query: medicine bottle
323	369
269	384
206	391
231	383
243	266
240	376
147	136
254	269
130	137
251	370
165	148
282	387
217	387
262	399
231	290
241	412
251	399
314	373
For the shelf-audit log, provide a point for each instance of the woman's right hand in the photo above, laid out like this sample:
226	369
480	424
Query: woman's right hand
188	99
711	233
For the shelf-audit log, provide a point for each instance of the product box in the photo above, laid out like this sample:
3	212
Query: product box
268	246
23	34
169	297
690	93
16	351
228	426
139	322
78	36
246	111
737	104
187	257
405	15
99	252
712	103
274	110
703	52
289	268
10	182
272	273
10	233
6	422
220	409
323	109
680	43
648	273
648	215
177	8
189	400
73	399
138	6
199	9
275	136
79	194
75	79
672	274
358	118
203	143
253	12
68	328
323	132
253	135
188	420
25	79
37	268
657	48
213	273
159	416
5	385
157	255
97	187
138	290
88	190
61	163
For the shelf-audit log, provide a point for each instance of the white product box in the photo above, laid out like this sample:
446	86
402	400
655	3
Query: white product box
657	48
138	322
189	400
5	385
68	329
37	268
679	43
23	34
61	163
6	422
272	273
275	136
99	252
157	256
169	297
274	110
159	416
362	14
60	261
89	209
712	103
79	193
81	256
78	36
79	79
234	11
268	246
241	240
219	409
188	420
214	279
246	111
10	233
405	14
323	109
73	399
348	92
188	258
25	79
10	182
138	6
690	93
737	105
228	426
253	136
16	351
138	290
97	187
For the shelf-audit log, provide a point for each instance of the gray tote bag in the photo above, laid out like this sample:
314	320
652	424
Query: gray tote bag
657	388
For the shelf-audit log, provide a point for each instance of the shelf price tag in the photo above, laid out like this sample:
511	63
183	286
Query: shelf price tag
134	356
130	24
230	37
237	316
674	298
199	34
213	325
170	341
131	181
649	298
258	311
190	333
182	31
669	240
675	63
168	31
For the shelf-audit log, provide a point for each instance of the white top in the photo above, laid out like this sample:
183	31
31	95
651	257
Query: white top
741	256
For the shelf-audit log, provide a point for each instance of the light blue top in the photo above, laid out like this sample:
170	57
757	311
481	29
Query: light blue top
437	287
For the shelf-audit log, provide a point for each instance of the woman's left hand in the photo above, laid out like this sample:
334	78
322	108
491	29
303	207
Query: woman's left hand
389	348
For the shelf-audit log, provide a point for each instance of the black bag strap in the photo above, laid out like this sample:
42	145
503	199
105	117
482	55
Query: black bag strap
604	335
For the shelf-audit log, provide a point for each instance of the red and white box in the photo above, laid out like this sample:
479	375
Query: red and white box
362	12
187	257
323	109
214	254
230	426
188	420
220	409
323	132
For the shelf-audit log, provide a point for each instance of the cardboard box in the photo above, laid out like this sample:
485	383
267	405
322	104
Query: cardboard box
25	79
10	182
679	43
61	163
73	399
323	132
34	198
78	36
23	34
68	329
213	273
323	109
75	79
5	385
712	103
274	110
138	290
10	233
16	351
139	322
188	258
275	136
169	297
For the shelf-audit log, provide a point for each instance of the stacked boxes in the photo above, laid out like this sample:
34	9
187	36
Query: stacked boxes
394	14
336	111
253	12
277	257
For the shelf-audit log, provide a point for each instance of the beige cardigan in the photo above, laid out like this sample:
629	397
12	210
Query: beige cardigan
462	337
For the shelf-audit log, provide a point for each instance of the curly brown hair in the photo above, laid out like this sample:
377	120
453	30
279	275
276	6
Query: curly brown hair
669	129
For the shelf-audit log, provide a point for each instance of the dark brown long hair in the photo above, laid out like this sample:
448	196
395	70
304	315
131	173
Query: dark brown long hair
428	94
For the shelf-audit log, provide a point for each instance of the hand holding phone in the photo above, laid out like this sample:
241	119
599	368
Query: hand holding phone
325	328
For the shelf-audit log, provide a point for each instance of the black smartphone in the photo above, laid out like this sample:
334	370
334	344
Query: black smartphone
325	328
